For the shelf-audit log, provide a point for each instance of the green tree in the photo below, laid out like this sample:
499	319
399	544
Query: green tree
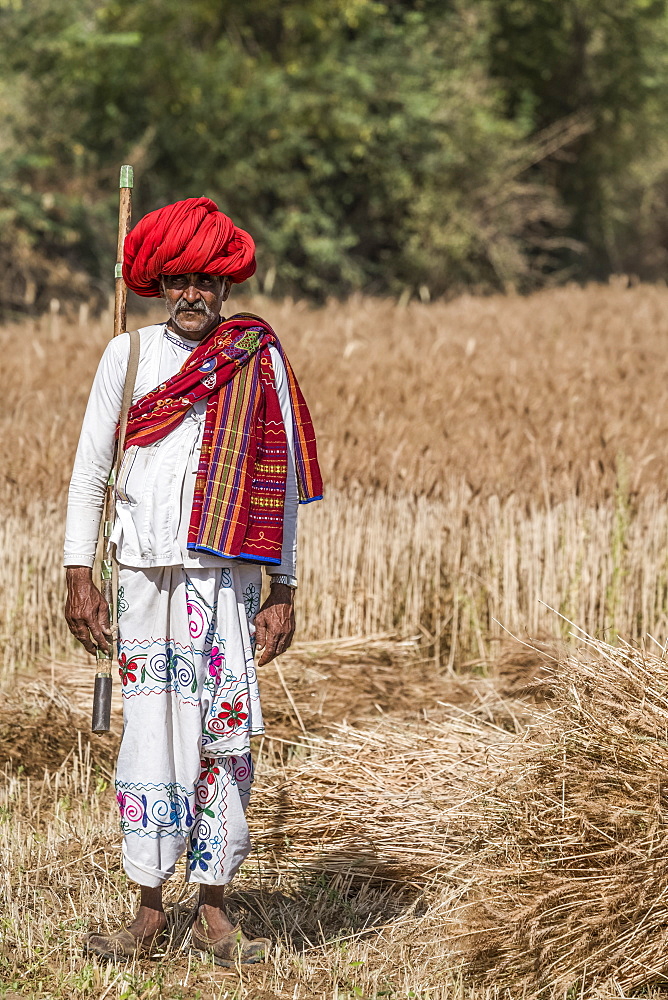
604	62
385	145
361	142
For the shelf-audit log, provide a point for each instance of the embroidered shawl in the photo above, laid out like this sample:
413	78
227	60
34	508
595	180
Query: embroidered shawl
240	485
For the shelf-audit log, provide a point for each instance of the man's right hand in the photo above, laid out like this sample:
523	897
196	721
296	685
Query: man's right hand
86	610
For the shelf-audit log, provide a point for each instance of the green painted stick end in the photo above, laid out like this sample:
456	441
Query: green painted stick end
127	176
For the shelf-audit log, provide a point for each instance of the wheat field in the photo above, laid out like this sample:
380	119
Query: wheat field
486	460
428	822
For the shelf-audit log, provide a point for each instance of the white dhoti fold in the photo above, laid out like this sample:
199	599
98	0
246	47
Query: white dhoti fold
190	705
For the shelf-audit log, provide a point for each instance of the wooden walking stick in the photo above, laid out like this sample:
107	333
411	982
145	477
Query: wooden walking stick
102	696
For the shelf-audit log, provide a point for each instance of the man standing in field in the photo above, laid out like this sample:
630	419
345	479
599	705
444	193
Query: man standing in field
220	450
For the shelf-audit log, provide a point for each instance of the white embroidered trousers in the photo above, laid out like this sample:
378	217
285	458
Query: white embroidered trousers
190	705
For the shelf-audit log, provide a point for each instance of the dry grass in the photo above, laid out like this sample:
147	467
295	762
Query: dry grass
481	456
495	832
543	841
370	562
532	397
338	928
478	846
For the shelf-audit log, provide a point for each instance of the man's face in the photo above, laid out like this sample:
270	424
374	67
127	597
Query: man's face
194	301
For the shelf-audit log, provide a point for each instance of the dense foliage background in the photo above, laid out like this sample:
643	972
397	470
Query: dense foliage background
400	146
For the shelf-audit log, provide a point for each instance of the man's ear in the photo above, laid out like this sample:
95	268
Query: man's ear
227	288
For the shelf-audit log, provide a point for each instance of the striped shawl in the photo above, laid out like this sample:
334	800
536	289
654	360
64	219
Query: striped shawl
240	486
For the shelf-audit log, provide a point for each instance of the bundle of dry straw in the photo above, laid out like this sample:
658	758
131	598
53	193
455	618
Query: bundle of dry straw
541	845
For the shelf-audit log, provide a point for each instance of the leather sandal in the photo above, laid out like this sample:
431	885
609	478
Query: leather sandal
122	944
233	948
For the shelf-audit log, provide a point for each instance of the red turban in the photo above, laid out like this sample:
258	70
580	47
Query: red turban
182	238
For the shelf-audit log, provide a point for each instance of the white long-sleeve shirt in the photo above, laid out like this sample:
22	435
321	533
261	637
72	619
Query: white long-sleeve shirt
155	487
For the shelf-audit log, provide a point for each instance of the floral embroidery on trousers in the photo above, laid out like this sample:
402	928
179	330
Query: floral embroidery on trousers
190	705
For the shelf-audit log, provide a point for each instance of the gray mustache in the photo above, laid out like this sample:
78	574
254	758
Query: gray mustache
198	307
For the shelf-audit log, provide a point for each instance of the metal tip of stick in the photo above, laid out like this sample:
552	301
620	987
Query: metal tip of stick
127	176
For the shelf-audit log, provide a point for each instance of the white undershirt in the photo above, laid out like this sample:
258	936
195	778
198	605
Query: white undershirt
156	484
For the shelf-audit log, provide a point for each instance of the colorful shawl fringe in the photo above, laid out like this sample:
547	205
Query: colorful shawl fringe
240	485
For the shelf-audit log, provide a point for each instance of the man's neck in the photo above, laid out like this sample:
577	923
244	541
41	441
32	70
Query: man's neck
194	335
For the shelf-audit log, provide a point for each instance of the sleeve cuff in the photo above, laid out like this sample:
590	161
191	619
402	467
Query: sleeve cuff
78	559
